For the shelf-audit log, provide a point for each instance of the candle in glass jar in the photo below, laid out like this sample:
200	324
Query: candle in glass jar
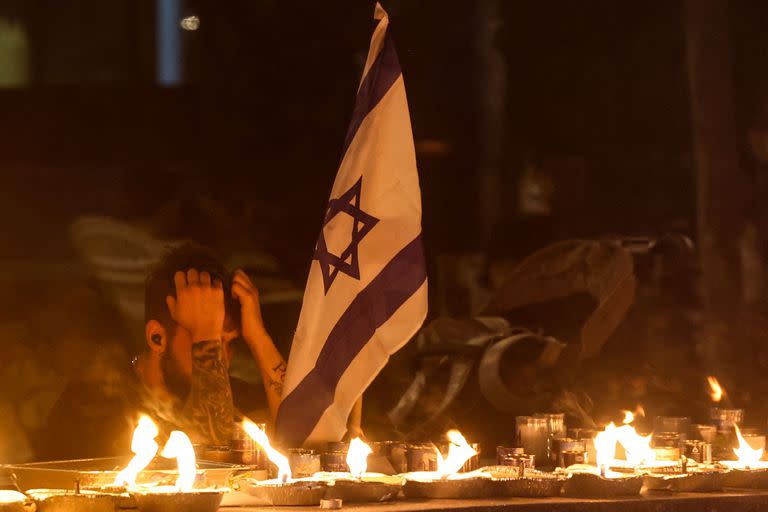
533	437
555	430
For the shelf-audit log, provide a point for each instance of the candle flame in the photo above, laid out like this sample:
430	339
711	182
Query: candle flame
357	457
630	416
636	447
747	456
459	452
179	447
277	458
144	447
716	391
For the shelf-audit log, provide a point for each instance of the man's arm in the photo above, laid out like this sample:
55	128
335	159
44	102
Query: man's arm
199	308
209	406
271	364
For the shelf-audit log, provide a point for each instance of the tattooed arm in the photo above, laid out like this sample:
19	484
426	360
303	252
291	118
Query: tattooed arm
209	408
199	308
271	363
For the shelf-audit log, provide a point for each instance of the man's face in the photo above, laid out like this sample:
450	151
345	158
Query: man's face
177	359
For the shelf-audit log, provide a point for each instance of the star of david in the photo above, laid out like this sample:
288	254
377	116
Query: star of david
346	262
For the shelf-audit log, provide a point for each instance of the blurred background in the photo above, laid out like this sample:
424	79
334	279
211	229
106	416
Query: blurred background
130	124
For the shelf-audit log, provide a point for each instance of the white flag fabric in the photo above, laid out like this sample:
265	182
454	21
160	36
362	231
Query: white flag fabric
366	293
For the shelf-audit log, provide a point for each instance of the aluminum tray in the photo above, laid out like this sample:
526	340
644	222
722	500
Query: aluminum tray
97	473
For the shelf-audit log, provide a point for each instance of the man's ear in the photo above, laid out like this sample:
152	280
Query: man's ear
156	335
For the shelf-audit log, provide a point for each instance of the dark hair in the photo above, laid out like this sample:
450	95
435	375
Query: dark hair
160	284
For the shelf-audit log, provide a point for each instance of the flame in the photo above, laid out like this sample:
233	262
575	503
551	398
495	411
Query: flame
636	447
747	456
144	447
459	452
179	447
630	416
277	458
716	391
357	457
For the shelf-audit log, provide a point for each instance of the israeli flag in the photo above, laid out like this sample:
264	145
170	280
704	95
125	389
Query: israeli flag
366	293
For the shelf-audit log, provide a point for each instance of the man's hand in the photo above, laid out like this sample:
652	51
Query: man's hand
199	304
248	296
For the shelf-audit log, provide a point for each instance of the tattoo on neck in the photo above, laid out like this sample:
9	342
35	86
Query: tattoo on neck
209	408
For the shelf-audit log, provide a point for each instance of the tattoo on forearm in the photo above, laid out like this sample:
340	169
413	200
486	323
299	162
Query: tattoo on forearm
277	378
209	408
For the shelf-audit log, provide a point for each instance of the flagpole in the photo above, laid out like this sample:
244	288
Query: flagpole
355	420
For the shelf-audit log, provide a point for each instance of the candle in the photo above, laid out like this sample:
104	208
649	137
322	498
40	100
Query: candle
533	437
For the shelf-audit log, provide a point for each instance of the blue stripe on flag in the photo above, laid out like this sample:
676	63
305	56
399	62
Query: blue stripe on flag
301	410
382	74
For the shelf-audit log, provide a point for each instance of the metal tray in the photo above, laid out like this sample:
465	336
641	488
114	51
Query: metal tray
97	473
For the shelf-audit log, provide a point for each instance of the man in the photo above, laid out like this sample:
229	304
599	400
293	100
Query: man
194	310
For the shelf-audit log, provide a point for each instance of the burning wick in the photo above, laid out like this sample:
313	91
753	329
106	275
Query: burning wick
179	447
277	458
459	452
144	447
716	391
357	457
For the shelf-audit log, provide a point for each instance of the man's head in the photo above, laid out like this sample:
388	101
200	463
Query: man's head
169	343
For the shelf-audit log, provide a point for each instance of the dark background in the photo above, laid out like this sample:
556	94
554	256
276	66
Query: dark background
242	153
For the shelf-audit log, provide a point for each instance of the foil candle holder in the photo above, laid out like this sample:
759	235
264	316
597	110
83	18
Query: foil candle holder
171	500
368	488
693	480
535	484
358	485
296	493
587	483
14	501
460	486
60	500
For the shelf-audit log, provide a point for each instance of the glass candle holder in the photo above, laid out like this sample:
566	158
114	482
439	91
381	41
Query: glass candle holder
702	432
754	438
555	430
725	419
533	437
303	462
